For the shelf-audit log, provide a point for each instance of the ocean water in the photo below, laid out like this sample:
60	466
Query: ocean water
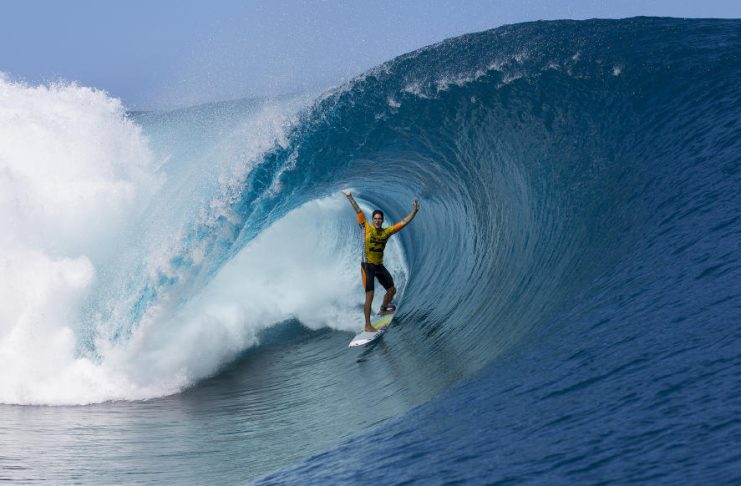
178	288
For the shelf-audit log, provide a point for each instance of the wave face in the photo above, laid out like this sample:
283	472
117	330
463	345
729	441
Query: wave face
581	226
574	265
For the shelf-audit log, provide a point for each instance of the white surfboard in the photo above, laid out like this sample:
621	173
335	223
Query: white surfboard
380	325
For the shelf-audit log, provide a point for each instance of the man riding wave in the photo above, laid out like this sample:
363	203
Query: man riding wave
372	268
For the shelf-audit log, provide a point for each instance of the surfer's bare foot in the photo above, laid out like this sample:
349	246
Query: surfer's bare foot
369	329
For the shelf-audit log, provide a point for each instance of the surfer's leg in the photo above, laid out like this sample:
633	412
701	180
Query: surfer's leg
387	281
368	279
387	299
367	311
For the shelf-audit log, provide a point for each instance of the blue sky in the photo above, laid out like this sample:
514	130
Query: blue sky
163	54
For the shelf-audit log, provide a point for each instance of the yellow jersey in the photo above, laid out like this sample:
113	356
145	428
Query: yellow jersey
375	240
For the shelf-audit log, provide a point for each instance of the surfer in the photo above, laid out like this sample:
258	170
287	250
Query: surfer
371	268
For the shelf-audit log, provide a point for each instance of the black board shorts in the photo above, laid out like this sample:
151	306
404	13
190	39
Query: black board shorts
371	272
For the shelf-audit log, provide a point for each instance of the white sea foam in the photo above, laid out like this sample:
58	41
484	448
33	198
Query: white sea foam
73	171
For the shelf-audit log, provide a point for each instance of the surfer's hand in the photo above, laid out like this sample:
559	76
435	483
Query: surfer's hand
415	205
347	194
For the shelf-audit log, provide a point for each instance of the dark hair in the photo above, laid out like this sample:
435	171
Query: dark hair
377	211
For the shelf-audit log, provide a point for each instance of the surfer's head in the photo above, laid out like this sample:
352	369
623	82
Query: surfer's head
377	218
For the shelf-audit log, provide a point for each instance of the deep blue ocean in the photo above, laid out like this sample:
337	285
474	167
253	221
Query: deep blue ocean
569	293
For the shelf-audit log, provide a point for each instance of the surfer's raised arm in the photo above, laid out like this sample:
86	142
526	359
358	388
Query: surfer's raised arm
409	217
349	197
